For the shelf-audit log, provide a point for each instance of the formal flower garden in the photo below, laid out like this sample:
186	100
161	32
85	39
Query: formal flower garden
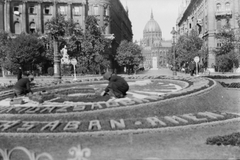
61	112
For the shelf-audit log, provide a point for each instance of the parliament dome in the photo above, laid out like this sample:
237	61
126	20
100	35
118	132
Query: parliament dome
152	26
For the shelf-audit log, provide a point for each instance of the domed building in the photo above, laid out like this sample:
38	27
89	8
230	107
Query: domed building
155	50
152	33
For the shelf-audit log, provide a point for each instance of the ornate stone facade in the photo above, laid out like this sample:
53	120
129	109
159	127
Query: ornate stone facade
154	48
28	16
208	17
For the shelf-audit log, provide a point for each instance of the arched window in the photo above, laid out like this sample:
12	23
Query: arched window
17	28
32	27
227	6
218	7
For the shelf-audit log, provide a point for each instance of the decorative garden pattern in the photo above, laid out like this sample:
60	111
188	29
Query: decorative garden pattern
59	111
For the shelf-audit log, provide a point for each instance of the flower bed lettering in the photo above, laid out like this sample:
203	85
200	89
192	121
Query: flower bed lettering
111	124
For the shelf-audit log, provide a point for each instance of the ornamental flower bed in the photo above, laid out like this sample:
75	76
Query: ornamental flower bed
223	77
62	95
232	139
231	85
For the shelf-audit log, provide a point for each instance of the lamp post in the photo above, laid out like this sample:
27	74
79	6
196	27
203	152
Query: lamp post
173	32
57	61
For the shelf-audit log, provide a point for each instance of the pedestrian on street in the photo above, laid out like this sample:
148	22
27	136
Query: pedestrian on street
117	86
22	87
19	75
192	67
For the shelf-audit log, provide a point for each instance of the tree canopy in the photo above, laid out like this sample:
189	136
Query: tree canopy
24	50
188	46
129	54
226	55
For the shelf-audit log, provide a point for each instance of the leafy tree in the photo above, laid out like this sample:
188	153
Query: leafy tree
25	51
93	53
4	41
187	47
129	54
86	46
227	50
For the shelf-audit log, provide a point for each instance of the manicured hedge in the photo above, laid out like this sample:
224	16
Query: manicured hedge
223	77
232	139
230	85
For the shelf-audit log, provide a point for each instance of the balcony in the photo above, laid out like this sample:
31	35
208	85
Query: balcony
223	14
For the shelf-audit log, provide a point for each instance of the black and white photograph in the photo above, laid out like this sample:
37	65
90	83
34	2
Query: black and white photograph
119	79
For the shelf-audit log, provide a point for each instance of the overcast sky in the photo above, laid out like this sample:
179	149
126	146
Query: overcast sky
165	12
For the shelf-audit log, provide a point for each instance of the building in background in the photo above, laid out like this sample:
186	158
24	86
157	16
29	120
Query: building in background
207	17
155	49
17	16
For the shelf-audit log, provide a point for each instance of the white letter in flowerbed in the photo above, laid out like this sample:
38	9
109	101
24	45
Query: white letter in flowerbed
27	125
211	115
96	105
32	109
175	119
154	98
79	107
8	124
72	125
140	100
194	118
63	109
47	109
112	104
126	102
154	121
51	125
93	124
114	124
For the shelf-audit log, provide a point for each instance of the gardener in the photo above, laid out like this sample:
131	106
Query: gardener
117	86
22	87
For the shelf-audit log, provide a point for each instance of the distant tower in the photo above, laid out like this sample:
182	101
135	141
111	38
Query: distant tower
152	34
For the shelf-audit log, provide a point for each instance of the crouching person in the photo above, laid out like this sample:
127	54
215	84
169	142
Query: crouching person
22	87
117	86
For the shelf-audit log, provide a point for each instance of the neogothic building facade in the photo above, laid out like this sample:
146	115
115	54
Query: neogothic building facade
207	17
154	47
17	16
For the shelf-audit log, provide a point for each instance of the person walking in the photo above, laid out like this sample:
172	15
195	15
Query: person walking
117	86
22	87
19	74
192	67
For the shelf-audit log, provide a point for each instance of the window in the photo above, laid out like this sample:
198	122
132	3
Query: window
227	6
32	10
62	10
32	27
219	24
17	28
47	9
95	10
219	45
16	10
77	10
218	7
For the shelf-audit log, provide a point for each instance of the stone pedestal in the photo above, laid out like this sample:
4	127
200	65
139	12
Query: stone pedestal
154	63
211	70
238	70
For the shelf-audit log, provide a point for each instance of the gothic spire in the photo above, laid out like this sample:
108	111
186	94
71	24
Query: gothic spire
151	14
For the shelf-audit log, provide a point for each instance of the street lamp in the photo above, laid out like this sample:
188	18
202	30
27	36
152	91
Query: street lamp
174	33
